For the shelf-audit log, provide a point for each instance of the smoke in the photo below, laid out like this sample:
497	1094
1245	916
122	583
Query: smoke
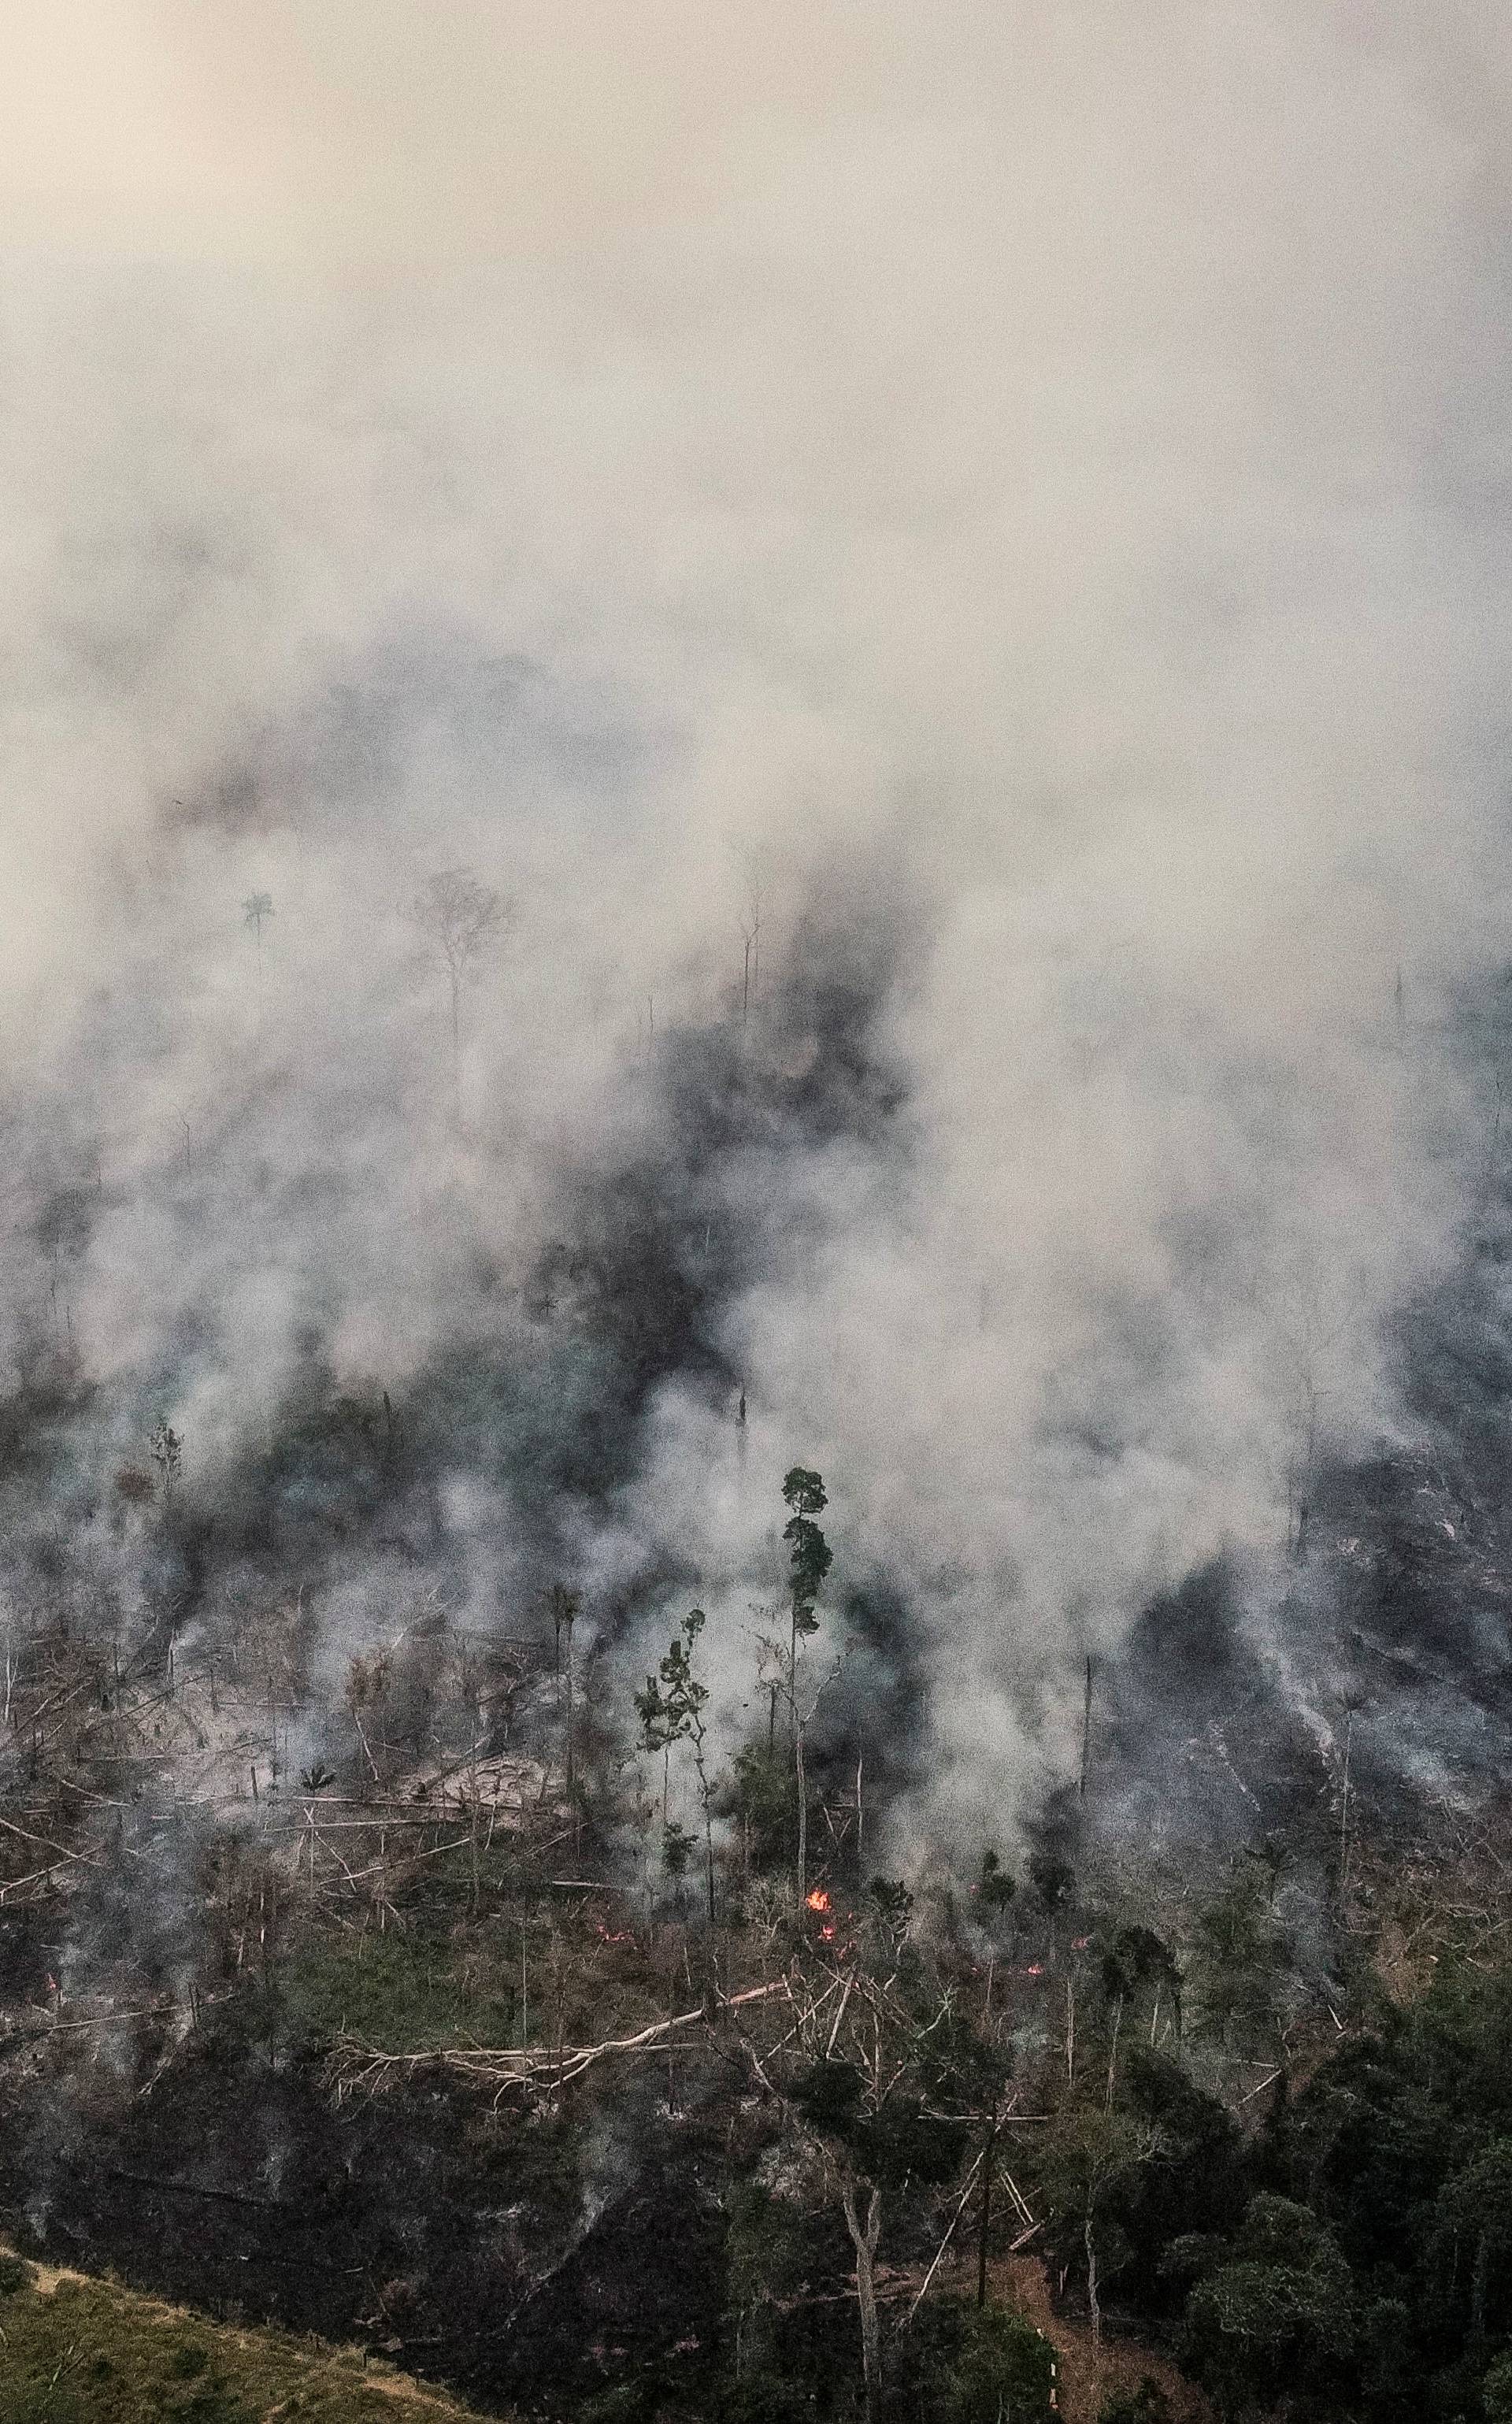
996	517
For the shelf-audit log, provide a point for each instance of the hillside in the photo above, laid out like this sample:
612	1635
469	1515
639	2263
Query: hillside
75	2350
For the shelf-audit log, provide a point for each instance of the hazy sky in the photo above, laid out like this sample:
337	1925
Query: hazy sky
386	128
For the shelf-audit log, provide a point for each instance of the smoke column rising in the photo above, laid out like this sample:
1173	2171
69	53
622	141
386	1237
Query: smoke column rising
1018	497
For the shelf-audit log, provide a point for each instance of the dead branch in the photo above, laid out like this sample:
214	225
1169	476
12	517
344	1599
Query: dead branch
358	2067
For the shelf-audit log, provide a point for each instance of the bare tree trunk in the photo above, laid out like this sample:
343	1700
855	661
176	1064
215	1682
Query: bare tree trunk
864	2236
572	1766
1089	2242
986	2223
792	1664
803	1807
1344	1810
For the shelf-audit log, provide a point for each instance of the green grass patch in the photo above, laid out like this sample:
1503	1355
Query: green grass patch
90	2353
407	1991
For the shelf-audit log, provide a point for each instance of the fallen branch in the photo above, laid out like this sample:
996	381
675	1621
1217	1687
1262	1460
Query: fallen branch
359	2066
950	2232
48	1844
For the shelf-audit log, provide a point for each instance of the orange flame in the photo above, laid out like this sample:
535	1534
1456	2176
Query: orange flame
817	1900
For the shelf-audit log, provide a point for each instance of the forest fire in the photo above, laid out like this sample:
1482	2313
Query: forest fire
819	1902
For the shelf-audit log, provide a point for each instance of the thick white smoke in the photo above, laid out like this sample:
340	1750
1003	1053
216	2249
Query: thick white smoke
1032	480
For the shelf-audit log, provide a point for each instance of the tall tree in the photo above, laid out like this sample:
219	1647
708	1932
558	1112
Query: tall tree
811	1556
256	909
458	918
866	2062
671	1709
167	1449
562	1606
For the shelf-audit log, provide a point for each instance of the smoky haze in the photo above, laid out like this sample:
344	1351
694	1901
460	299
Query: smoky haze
1006	507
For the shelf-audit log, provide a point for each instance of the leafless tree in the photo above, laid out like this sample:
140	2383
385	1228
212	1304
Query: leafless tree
562	1606
780	1669
167	1455
459	918
751	936
257	907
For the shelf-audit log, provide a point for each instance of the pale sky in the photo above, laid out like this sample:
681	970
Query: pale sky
386	126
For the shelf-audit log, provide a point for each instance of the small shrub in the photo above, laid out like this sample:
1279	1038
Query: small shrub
626	2402
1146	2405
15	2274
763	2399
970	2365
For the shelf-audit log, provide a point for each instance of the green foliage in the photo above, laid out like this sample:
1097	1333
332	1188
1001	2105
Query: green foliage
88	2353
1355	2256
760	1800
1496	2391
811	1555
678	1848
768	2250
404	1991
1148	2404
804	1491
971	2365
1472	2238
1089	2160
1240	1955
765	2246
764	2398
1136	1957
957	2068
1194	2179
1275	2312
623	2403
1054	1880
829	2096
887	2143
996	1888
671	1707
